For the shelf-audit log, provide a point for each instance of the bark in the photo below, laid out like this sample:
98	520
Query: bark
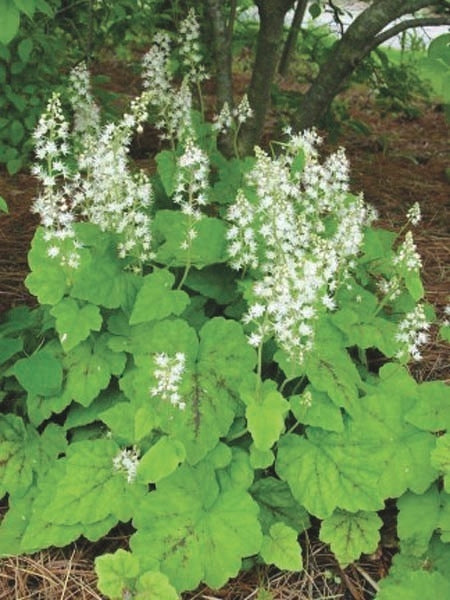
221	46
268	47
359	39
292	37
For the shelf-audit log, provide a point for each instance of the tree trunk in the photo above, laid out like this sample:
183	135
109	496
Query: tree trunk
271	17
292	38
221	42
349	51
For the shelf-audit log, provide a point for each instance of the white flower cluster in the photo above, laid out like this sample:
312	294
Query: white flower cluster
168	373
190	54
407	255
412	333
173	104
86	111
228	119
278	229
54	202
414	214
100	189
191	187
127	461
110	195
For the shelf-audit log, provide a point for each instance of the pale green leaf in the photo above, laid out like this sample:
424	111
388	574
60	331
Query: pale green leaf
47	280
170	232
265	417
351	535
414	585
40	374
277	504
417	519
74	323
195	531
330	470
156	586
281	548
160	460
330	369
117	573
101	278
24	453
68	502
315	408
261	459
432	411
156	300
90	366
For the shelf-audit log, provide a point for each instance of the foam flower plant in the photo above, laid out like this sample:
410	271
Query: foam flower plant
220	353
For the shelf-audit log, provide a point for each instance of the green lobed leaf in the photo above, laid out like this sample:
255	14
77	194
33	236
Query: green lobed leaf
404	450
432	411
47	280
156	300
68	504
215	370
277	504
117	573
351	535
101	279
40	374
417	519
330	470
160	460
24	453
414	584
265	415
217	282
195	531
261	459
74	323
315	408
281	548
156	586
89	368
170	232
330	369
440	458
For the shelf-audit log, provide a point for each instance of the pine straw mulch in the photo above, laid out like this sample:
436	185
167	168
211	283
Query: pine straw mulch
400	162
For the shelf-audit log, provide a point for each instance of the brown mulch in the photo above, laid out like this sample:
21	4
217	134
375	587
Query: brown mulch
400	162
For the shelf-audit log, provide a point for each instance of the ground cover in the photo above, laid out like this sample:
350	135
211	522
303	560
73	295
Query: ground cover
400	162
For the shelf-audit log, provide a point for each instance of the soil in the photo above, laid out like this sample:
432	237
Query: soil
398	162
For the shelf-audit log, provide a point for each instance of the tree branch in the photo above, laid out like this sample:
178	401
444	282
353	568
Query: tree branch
407	24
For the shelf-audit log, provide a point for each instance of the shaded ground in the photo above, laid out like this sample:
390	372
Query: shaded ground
398	163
